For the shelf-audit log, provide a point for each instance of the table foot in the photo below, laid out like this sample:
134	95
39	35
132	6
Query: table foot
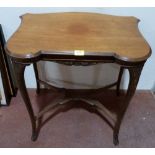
115	139
34	136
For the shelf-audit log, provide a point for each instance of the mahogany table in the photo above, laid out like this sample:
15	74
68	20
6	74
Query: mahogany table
78	39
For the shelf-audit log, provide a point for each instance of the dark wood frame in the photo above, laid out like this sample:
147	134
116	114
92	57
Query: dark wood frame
134	66
6	69
134	69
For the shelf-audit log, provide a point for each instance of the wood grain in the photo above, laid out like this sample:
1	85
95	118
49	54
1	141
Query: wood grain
91	32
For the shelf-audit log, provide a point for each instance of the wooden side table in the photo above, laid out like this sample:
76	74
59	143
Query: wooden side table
78	39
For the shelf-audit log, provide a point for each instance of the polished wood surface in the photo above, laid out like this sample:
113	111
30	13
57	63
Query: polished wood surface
67	32
96	38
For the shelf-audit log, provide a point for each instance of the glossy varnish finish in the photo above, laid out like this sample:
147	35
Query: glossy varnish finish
62	33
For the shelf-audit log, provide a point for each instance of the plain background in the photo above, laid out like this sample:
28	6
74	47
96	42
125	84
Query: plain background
93	76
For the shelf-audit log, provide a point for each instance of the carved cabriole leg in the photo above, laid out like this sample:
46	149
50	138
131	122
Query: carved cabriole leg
37	77
134	73
19	70
119	81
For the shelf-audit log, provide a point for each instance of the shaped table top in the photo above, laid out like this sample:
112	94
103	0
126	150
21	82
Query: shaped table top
91	33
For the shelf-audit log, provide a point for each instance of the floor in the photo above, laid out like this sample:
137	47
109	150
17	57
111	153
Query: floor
75	126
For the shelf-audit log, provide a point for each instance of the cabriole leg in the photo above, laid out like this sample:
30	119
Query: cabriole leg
37	77
134	73
119	81
19	70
